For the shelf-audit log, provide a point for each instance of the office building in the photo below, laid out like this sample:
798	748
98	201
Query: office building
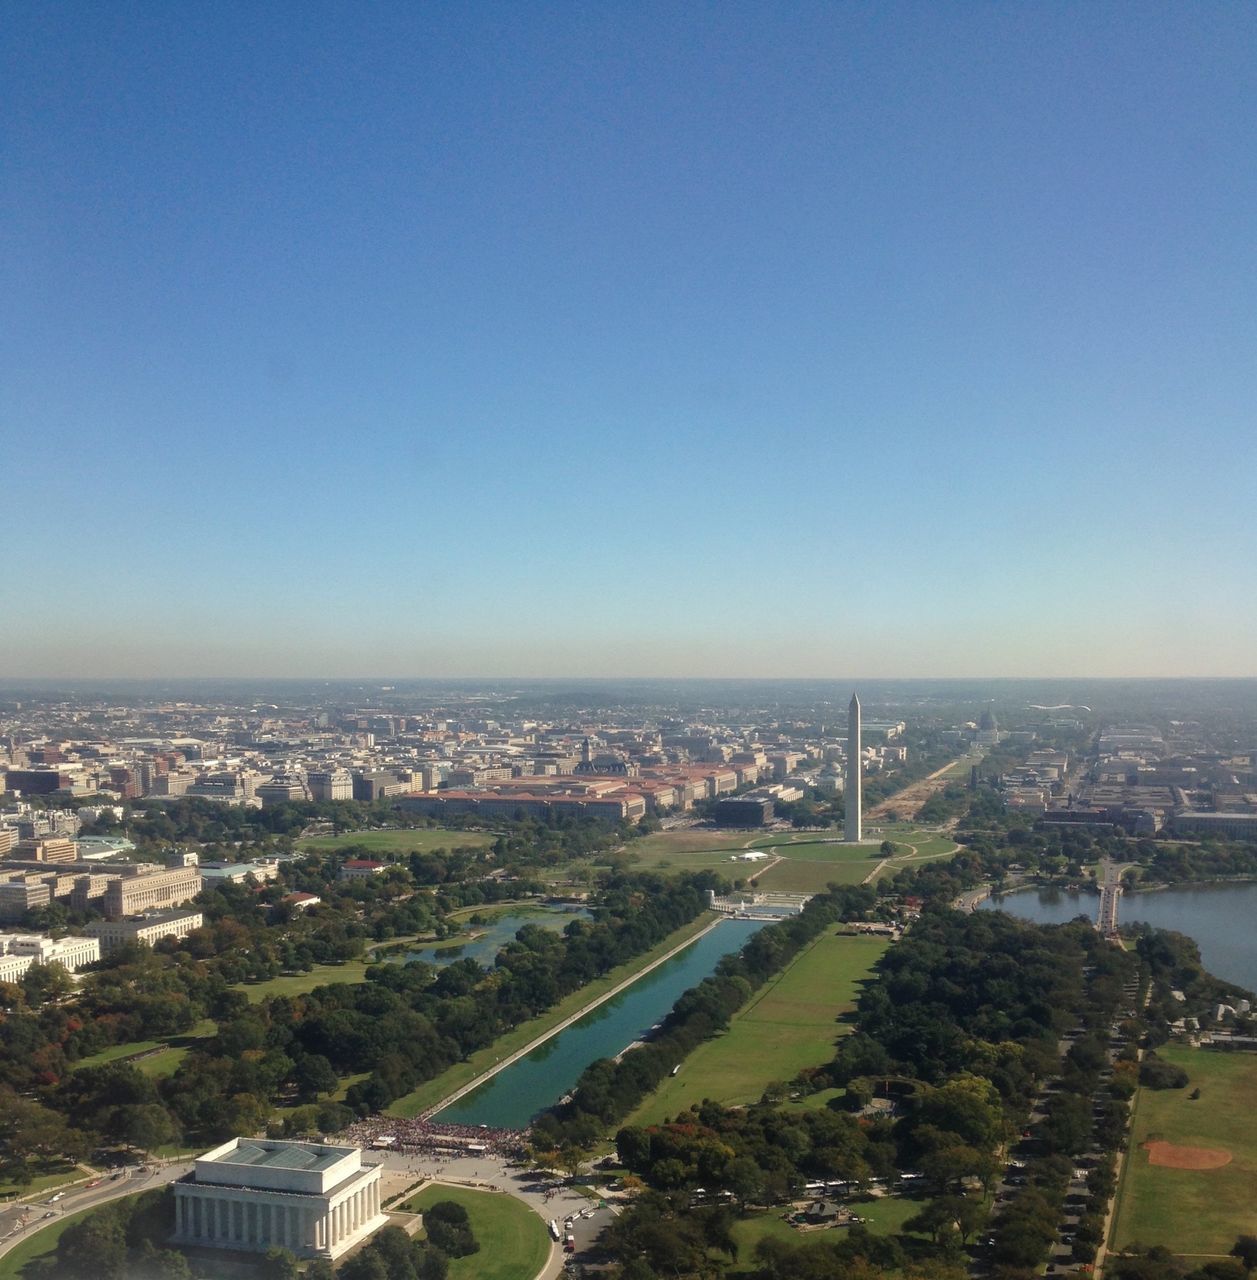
330	784
142	888
150	927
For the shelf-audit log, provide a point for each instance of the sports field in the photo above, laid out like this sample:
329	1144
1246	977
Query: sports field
789	1024
1201	1210
514	1243
410	840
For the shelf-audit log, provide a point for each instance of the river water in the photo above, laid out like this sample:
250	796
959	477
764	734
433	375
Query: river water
514	1096
1219	917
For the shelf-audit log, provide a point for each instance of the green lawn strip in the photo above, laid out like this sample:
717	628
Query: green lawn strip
44	1182
791	876
44	1242
514	1242
1193	1211
417	840
818	1101
461	1073
165	1063
300	984
666	844
174	1050
788	1025
116	1052
489	913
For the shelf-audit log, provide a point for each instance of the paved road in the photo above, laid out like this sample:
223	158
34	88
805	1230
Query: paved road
19	1222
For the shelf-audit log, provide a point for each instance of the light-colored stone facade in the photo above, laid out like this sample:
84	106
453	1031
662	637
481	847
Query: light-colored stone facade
314	1199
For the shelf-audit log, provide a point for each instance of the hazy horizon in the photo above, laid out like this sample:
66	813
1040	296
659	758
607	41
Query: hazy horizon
744	341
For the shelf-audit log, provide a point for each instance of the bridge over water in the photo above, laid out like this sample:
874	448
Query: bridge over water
1110	892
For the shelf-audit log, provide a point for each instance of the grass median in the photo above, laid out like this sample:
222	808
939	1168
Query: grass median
790	1024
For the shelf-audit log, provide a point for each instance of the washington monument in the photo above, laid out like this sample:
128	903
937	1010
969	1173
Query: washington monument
853	827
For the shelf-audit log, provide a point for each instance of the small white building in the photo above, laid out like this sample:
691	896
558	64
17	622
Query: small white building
315	1199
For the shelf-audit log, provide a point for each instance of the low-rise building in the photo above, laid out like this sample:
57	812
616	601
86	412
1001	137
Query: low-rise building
22	893
361	869
46	849
149	927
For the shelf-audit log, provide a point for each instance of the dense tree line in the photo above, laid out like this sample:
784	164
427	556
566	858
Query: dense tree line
408	1022
961	1026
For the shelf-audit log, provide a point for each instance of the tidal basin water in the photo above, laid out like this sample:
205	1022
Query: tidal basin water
1219	917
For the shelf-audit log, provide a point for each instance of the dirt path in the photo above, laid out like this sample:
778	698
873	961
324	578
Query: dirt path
906	804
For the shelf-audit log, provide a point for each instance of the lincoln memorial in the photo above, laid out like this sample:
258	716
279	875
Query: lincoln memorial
312	1198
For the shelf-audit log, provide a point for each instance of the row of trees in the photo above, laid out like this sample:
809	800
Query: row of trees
608	1090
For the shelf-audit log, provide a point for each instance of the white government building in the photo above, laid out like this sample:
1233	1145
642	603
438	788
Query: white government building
18	951
312	1198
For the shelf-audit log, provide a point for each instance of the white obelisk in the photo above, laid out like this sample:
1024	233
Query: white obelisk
854	825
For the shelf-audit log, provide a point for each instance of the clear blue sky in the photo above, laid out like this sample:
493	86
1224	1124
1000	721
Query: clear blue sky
730	339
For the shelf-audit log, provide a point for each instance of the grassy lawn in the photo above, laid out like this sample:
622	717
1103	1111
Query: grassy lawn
447	1082
40	1245
1193	1211
788	1025
811	859
885	1216
514	1242
418	840
666	844
300	984
44	1182
520	907
799	876
159	1064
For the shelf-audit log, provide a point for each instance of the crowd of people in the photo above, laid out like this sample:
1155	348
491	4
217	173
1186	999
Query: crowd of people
430	1137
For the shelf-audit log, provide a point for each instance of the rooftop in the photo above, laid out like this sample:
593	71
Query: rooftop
284	1155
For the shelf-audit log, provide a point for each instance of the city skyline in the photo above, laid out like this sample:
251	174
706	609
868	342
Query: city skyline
518	343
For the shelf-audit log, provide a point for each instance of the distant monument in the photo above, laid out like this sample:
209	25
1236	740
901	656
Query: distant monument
854	826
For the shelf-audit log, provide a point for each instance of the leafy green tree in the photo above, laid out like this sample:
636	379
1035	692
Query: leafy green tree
94	1249
279	1264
